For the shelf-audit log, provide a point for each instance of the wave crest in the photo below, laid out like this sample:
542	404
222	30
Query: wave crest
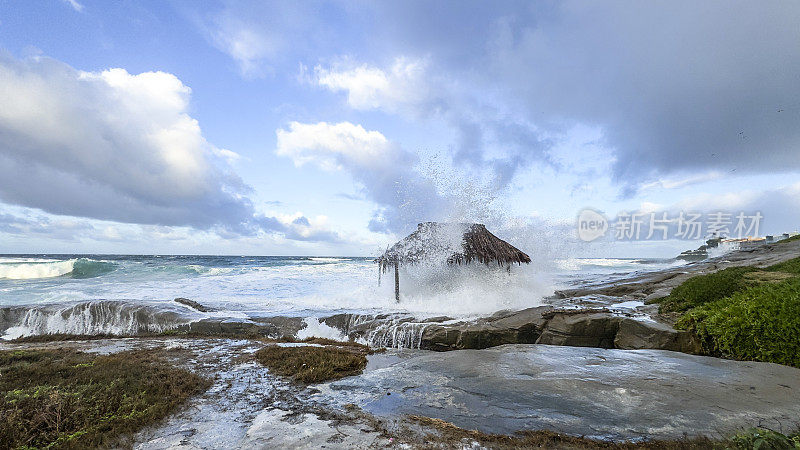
75	268
88	318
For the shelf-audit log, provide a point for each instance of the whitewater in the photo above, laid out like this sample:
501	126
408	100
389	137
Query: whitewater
130	294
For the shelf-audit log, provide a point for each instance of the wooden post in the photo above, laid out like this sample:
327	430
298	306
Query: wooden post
397	280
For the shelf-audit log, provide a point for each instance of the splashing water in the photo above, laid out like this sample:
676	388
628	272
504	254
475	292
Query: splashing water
91	294
314	328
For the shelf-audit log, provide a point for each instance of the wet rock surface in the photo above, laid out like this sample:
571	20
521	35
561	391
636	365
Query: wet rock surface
605	394
581	329
601	328
272	327
193	304
617	394
637	334
522	327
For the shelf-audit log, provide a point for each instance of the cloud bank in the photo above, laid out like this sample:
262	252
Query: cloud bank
112	145
676	88
122	147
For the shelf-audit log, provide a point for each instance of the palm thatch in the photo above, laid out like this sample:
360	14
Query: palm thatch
455	243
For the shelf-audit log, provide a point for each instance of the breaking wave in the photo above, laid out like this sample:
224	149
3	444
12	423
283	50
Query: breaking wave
88	318
397	330
29	269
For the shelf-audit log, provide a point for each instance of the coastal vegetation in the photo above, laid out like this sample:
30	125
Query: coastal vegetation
68	399
760	323
743	313
702	289
313	364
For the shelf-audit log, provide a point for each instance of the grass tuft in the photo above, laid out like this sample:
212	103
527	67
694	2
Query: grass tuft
307	364
67	399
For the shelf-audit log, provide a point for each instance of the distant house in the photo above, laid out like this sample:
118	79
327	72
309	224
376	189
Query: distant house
742	244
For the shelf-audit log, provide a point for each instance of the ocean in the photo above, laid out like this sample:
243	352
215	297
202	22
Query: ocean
127	294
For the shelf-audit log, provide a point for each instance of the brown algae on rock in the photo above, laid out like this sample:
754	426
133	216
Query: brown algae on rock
312	364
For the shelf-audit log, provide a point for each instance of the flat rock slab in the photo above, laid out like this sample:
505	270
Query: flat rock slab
599	393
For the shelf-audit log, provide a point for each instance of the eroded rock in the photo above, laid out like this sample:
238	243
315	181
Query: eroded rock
581	329
637	334
193	304
521	327
598	328
598	393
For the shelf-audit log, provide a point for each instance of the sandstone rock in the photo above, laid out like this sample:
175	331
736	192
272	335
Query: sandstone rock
605	394
520	327
636	334
193	304
215	327
274	327
657	294
583	329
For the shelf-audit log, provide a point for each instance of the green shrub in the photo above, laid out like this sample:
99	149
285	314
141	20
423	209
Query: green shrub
760	323
761	439
67	399
790	266
707	288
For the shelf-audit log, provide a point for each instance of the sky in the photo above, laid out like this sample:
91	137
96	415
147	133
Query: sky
334	127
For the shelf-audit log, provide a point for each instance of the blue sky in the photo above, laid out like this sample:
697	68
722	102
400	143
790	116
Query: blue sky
331	128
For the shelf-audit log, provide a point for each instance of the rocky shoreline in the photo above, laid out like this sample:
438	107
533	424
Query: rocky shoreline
597	365
614	315
566	321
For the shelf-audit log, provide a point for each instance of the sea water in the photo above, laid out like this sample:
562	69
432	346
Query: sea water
128	294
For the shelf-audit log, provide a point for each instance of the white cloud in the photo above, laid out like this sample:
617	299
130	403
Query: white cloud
302	228
489	138
404	85
331	146
74	4
112	145
260	35
405	191
679	182
247	46
778	205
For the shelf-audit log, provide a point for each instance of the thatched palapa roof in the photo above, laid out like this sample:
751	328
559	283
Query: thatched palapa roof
455	243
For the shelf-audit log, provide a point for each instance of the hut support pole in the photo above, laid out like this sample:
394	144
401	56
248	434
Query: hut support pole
396	282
